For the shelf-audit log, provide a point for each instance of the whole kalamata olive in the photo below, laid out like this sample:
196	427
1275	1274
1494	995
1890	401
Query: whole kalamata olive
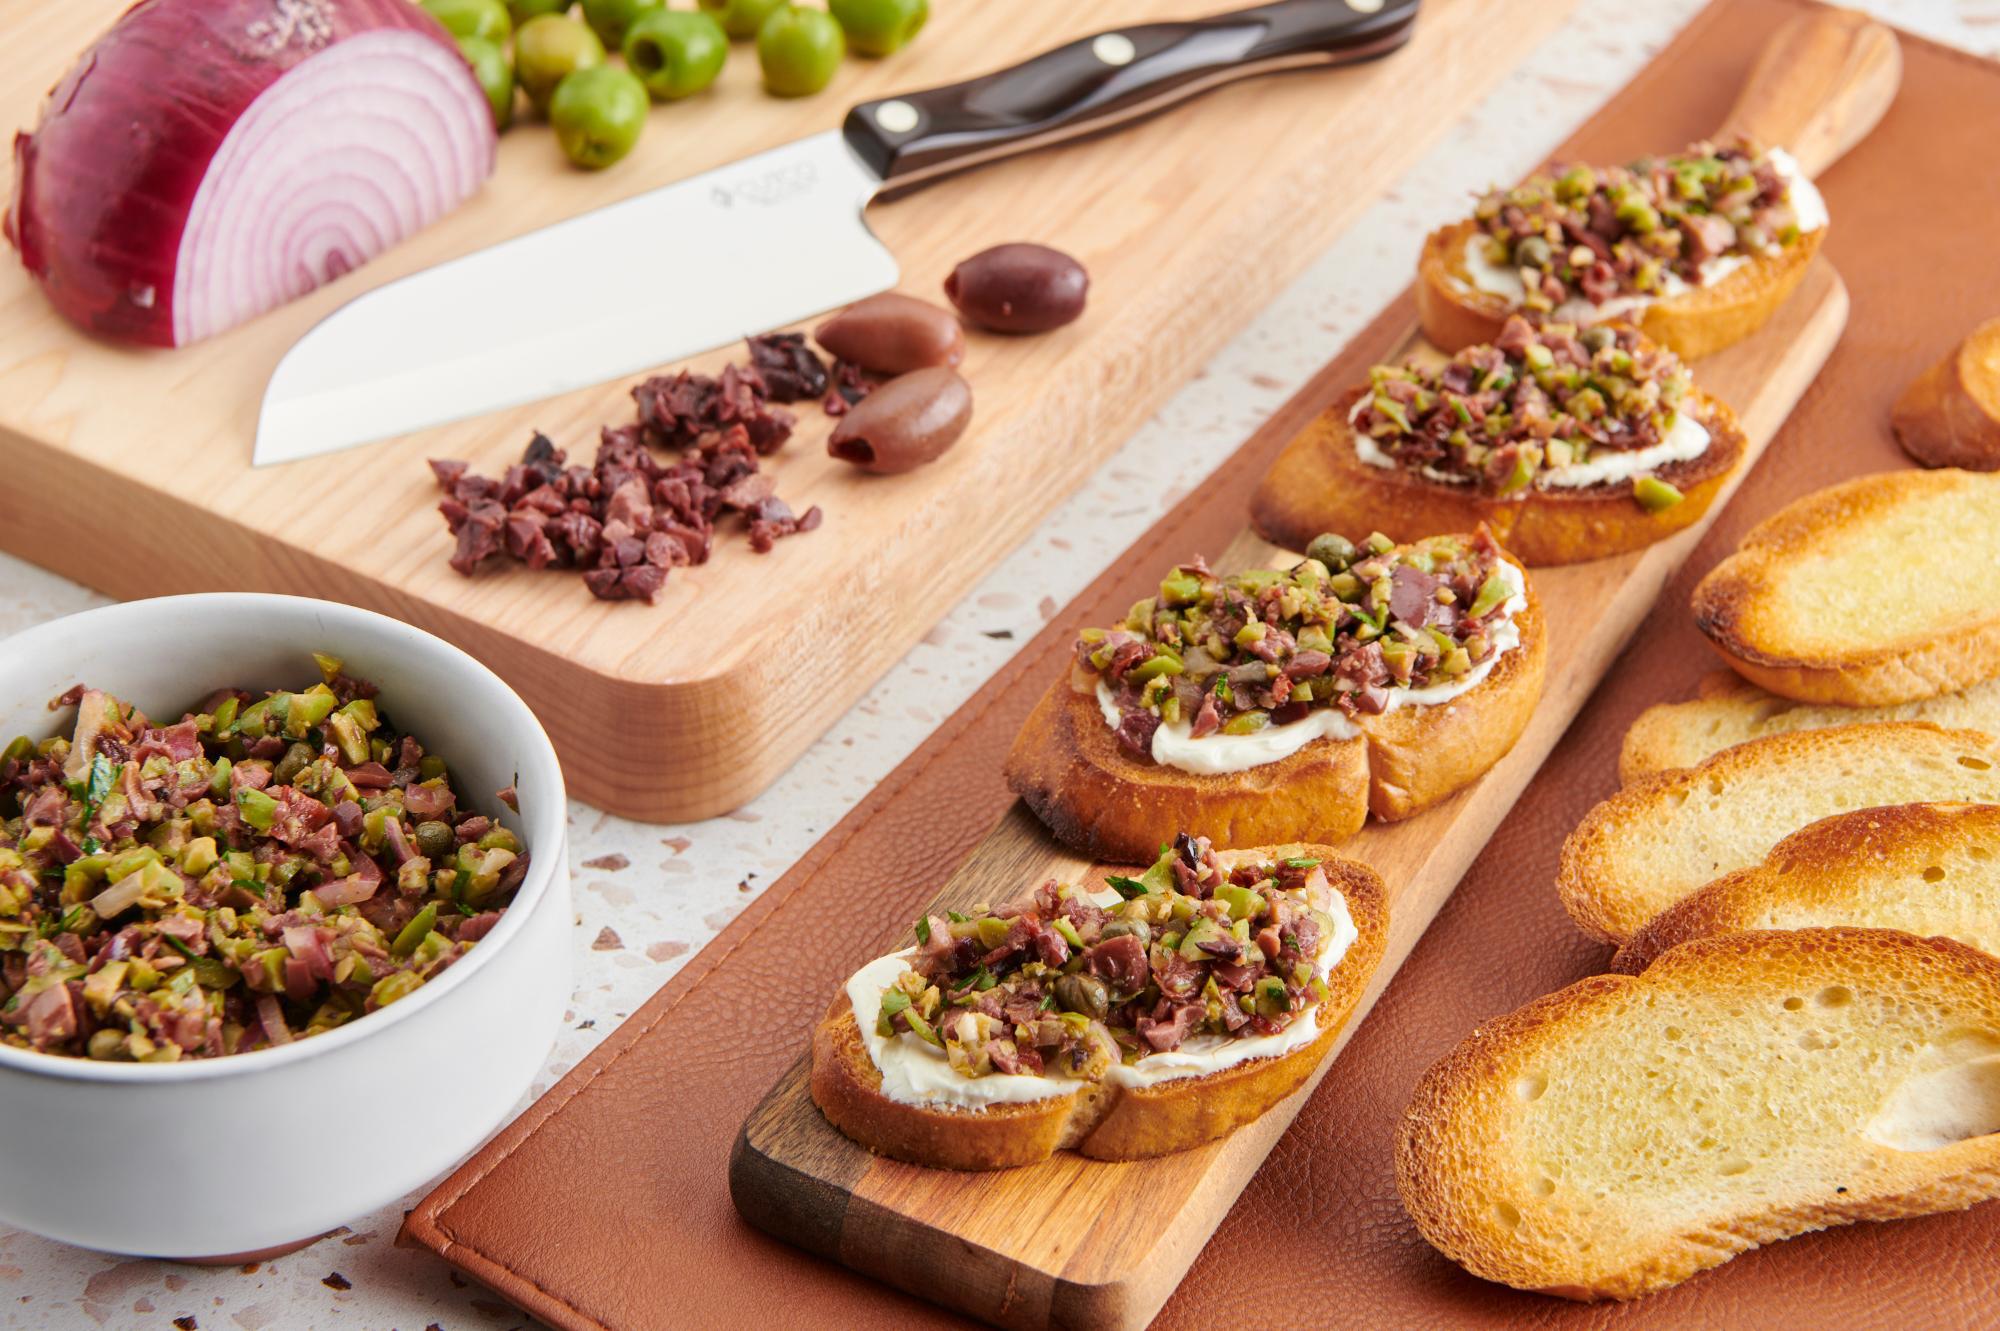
893	334
905	423
1019	288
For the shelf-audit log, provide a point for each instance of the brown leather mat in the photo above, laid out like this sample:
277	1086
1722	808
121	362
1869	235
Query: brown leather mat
606	1205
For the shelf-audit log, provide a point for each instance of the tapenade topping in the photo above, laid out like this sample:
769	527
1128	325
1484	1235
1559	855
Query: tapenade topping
1532	409
1266	646
261	870
1644	229
1056	984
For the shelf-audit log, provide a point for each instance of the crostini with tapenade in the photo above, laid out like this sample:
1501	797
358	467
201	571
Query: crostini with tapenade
1696	248
1124	1018
1287	704
1569	443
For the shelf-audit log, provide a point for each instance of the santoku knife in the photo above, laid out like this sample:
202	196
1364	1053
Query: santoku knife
773	238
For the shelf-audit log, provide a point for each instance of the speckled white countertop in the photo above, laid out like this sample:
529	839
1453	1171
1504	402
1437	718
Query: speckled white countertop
648	896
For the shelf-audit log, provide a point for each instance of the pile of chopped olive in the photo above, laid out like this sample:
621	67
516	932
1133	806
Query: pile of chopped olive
1515	413
1600	233
1057	984
1267	646
261	870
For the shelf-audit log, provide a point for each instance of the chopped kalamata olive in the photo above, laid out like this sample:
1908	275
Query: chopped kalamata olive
1019	288
893	334
907	422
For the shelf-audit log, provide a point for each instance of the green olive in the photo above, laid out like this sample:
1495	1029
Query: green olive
546	49
485	19
598	113
880	27
435	840
742	18
675	53
496	76
523	10
799	50
612	19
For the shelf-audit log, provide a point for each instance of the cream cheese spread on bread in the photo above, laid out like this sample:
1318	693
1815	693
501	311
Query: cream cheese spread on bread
1686	440
1481	273
1217	754
916	1072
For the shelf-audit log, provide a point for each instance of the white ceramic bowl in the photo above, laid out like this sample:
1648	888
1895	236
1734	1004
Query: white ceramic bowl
267	1149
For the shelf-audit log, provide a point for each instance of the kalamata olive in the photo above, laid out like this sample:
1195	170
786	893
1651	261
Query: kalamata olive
1083	993
1019	288
905	423
893	334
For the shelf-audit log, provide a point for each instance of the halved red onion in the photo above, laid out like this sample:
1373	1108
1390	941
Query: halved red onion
207	160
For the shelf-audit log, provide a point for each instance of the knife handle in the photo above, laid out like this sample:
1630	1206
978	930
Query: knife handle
1107	81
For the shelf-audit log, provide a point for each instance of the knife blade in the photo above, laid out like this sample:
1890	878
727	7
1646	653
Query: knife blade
783	234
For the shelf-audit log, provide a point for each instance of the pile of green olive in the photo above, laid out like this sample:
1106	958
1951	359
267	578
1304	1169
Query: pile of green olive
598	109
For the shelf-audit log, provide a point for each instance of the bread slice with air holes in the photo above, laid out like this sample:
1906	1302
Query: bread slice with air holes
1728	710
1926	869
1869	593
1627	1132
1101	1119
1657	840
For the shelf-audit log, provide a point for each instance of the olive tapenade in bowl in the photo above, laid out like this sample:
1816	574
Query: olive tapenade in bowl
262	860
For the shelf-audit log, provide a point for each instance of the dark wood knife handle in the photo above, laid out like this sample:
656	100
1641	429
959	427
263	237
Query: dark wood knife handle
1103	82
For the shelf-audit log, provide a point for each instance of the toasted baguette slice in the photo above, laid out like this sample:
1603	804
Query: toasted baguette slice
1729	710
1659	839
1623	1134
1869	593
1320	484
1927	869
1100	1120
1950	415
1066	765
1456	314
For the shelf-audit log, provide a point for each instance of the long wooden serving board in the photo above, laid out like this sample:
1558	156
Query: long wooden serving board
129	470
1075	1242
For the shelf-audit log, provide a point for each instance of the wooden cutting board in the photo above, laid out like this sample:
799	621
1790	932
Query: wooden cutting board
1075	1242
129	470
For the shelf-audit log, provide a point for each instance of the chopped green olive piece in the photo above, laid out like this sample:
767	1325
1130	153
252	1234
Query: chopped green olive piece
1655	495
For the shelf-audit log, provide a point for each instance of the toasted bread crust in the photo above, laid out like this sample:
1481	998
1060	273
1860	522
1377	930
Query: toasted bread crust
1460	1142
1750	622
1611	900
1693	324
1729	710
1950	415
1066	765
1828	868
1320	484
1101	1121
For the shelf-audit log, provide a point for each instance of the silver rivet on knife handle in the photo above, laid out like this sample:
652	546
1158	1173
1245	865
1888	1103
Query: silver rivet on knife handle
1114	48
897	117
